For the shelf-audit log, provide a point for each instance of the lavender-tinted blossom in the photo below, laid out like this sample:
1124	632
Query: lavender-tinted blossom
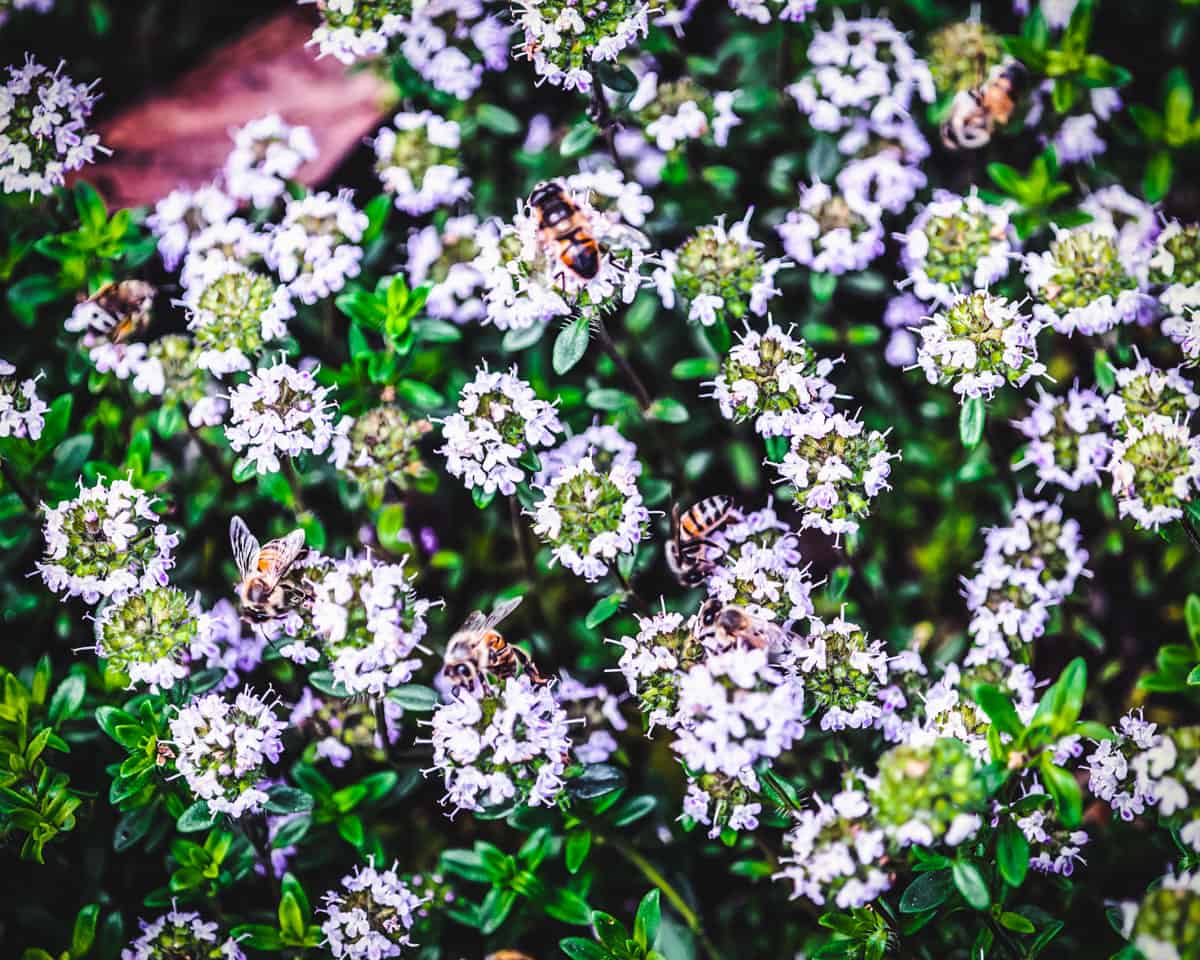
1155	470
1144	390
353	30
370	915
564	44
654	661
314	249
1068	445
22	411
179	933
266	154
444	259
832	233
182	214
673	112
726	805
417	160
605	444
842	671
234	315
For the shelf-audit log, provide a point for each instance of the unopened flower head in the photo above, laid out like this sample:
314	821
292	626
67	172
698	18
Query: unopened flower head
726	805
947	708
235	314
837	467
340	728
1027	567
842	672
1068	445
719	274
1144	390
417	160
836	851
861	70
565	39
956	244
382	448
830	234
370	622
266	154
153	636
182	214
928	794
370	915
499	418
223	748
353	30
654	660
736	709
107	542
22	411
280	411
1155	470
1166	923
591	517
170	371
315	247
762	570
605	444
1081	283
510	745
445	259
979	343
962	53
676	111
770	377
180	933
43	128
1175	261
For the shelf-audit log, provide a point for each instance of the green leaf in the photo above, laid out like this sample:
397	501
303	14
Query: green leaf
83	934
244	469
418	395
596	780
67	699
570	345
579	949
696	368
999	708
196	818
927	892
1064	789
822	286
578	139
575	850
567	906
970	422
645	925
415	697
668	410
132	827
604	609
284	800
322	681
482	498
390	526
615	76
633	809
1012	853
971	885
1016	923
91	210
1157	180
497	120
520	339
291	918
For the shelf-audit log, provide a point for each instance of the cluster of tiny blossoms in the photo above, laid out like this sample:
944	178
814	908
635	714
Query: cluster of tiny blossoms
564	38
153	636
844	673
234	315
719	274
370	915
43	128
222	749
509	745
370	622
1068	445
340	728
1155	470
1027	567
180	933
314	249
107	542
591	516
653	661
266	154
382	449
527	283
979	343
417	161
499	419
1165	925
280	411
444	259
831	232
22	411
672	113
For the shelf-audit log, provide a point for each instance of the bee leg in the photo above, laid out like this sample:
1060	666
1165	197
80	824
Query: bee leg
527	664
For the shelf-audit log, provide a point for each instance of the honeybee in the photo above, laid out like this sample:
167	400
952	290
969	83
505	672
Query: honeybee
128	303
975	113
691	538
477	649
163	754
269	586
725	627
565	230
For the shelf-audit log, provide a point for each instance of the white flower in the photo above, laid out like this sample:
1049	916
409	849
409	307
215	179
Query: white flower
879	183
370	916
234	315
445	259
280	411
353	30
180	933
267	152
314	249
1076	140
499	418
1155	470
22	411
604	444
43	128
563	45
183	214
1067	443
831	233
417	161
222	749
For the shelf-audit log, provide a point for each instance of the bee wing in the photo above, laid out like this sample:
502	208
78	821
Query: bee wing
245	546
104	290
501	611
473	624
290	548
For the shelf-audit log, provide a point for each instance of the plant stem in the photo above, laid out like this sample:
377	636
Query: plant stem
601	115
651	873
606	341
257	832
628	588
381	728
19	488
293	479
521	535
1190	529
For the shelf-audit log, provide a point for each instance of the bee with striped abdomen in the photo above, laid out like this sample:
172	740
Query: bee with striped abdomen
723	627
270	586
691	538
565	230
478	648
128	305
975	113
